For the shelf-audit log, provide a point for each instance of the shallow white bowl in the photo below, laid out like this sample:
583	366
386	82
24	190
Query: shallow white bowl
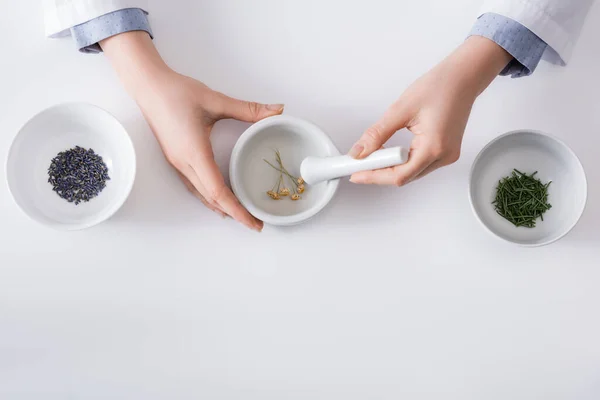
57	129
251	177
529	151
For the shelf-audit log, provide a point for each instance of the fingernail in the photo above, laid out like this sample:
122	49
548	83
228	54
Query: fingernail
356	150
275	107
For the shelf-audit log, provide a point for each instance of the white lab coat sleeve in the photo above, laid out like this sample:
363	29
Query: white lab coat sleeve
556	22
61	15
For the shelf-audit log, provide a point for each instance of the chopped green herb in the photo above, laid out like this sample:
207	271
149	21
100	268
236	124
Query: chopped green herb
522	199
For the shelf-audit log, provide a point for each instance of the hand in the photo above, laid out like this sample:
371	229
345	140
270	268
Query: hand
435	109
181	112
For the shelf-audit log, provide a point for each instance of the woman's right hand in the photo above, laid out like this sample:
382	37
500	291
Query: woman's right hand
181	112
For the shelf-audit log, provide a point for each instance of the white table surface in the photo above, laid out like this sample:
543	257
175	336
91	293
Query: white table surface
389	293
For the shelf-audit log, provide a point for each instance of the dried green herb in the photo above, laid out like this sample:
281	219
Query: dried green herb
522	199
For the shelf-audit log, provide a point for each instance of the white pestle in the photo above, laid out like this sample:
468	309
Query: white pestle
315	169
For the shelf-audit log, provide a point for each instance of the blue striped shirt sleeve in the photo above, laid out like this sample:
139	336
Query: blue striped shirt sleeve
88	34
525	46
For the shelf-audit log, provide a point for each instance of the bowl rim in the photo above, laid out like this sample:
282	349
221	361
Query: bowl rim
541	134
94	221
253	130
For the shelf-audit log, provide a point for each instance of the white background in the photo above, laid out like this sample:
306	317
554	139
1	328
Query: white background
388	294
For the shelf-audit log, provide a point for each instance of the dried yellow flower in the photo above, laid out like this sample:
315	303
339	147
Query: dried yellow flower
273	195
279	191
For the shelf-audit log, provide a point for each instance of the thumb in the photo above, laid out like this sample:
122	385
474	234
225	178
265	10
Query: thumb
379	133
248	111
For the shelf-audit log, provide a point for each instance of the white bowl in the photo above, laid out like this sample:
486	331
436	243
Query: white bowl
529	151
251	177
57	129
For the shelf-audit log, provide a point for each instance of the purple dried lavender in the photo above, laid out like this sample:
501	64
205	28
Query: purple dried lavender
78	174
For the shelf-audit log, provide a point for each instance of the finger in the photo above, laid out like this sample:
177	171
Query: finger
399	175
192	189
195	192
227	200
375	137
219	194
247	111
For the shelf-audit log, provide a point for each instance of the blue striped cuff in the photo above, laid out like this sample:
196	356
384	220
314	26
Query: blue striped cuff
88	34
525	46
